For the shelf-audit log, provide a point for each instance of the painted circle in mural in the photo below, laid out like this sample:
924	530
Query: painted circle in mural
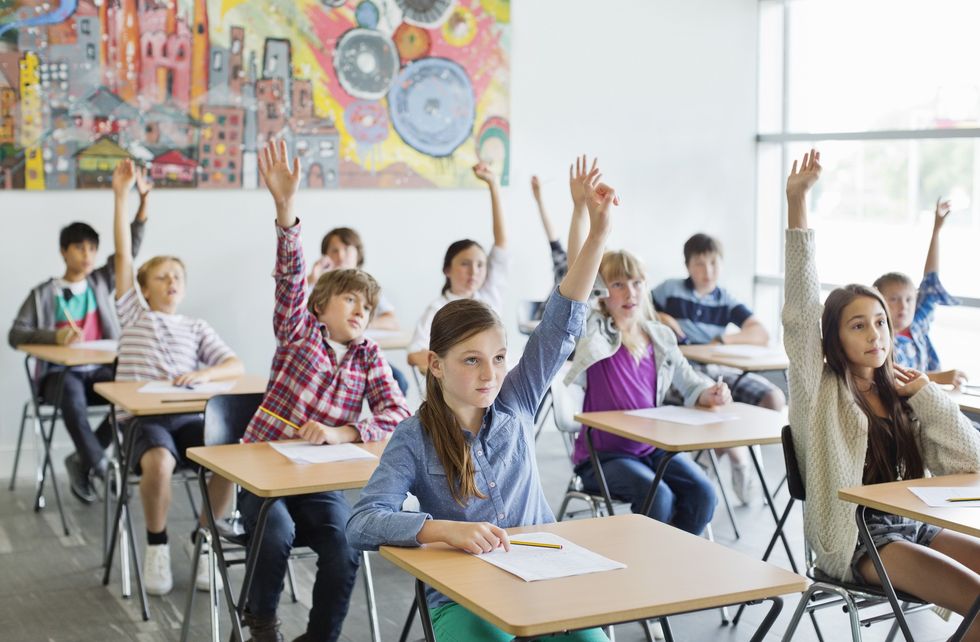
367	15
366	61
460	28
432	106
366	121
412	42
424	13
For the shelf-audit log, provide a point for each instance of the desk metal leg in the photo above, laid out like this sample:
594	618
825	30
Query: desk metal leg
769	620
652	493
47	466
217	557
430	636
772	510
886	583
369	594
724	494
967	622
252	553
407	629
772	544
599	475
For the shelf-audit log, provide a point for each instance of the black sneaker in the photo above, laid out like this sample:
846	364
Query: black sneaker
78	478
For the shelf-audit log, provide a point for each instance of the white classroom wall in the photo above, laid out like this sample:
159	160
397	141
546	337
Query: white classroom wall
663	91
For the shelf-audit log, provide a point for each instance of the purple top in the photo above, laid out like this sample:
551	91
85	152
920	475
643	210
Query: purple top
618	383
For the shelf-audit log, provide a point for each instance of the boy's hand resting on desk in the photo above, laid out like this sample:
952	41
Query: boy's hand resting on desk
67	335
318	434
472	537
189	379
955	378
909	381
716	395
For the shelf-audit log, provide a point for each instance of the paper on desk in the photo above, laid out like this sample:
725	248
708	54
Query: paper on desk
211	387
303	452
531	563
937	496
102	345
682	415
744	351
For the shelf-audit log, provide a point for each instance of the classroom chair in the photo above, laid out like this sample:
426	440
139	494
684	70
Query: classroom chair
827	591
225	419
529	315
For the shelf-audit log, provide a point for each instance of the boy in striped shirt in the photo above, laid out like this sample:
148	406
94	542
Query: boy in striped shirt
158	344
323	371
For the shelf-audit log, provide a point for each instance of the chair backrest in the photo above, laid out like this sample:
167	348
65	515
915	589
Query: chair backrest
794	480
226	417
530	311
567	401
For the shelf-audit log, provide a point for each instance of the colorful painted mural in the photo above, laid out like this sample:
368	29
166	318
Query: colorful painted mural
368	93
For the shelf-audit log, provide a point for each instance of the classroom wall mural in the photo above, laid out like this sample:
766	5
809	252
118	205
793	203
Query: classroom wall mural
368	93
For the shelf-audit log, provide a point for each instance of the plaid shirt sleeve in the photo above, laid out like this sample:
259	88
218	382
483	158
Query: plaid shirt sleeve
388	405
931	294
291	320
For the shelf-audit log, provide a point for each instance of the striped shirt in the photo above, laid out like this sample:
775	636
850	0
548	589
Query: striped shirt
702	318
155	346
309	381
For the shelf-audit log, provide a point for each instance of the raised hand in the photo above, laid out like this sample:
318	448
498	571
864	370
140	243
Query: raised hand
484	173
803	177
536	188
942	212
909	381
581	179
281	178
123	177
143	182
599	198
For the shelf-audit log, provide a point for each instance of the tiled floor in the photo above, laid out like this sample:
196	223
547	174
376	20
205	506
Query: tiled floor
51	588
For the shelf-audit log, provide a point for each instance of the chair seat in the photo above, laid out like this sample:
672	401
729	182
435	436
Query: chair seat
817	575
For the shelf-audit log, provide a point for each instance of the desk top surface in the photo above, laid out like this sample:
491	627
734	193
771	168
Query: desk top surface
126	396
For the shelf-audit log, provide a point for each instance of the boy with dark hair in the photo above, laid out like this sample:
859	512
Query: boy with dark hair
78	306
699	311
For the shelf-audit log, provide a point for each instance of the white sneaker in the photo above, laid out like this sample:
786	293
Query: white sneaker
157	577
742	482
202	580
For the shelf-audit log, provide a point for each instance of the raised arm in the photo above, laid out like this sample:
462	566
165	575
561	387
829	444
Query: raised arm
580	181
932	256
123	178
802	308
281	180
577	284
549	229
485	174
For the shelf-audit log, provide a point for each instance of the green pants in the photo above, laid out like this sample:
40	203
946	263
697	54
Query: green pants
452	623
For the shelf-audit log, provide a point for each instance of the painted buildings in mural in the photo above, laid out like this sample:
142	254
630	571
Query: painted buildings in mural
88	83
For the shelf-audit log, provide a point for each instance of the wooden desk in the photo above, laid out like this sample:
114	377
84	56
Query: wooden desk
67	357
264	472
897	499
714	576
766	359
754	426
267	473
126	395
390	339
968	403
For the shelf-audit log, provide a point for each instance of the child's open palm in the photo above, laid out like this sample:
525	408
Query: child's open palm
943	209
580	179
143	182
600	197
281	180
805	176
123	177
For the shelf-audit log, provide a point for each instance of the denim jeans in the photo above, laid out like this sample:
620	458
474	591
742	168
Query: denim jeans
685	497
318	521
78	394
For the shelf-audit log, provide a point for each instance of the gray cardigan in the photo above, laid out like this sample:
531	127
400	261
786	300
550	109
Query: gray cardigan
35	320
830	431
602	340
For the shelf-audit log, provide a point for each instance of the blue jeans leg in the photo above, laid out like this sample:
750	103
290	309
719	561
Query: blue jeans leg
694	494
277	542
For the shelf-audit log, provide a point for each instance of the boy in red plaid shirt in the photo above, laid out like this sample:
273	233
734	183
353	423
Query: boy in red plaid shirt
323	371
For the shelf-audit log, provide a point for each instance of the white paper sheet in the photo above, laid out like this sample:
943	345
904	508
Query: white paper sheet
303	452
938	496
166	387
745	351
102	345
531	563
682	415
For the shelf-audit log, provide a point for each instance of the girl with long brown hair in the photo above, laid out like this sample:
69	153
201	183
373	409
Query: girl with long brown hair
468	455
857	418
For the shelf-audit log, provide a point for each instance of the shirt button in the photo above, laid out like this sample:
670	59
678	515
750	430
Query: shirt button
500	516
493	484
480	453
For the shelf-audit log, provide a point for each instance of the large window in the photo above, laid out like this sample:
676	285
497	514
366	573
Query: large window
889	91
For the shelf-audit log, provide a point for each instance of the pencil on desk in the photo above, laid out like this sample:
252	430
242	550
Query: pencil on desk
958	499
538	544
183	400
71	321
282	419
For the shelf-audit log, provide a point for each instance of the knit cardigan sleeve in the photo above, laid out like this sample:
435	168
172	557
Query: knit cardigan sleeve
948	441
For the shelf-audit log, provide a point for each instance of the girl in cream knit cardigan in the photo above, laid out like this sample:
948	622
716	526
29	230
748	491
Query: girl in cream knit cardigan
857	419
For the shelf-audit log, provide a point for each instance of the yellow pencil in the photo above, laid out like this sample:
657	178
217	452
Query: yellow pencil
963	499
538	544
282	419
71	321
